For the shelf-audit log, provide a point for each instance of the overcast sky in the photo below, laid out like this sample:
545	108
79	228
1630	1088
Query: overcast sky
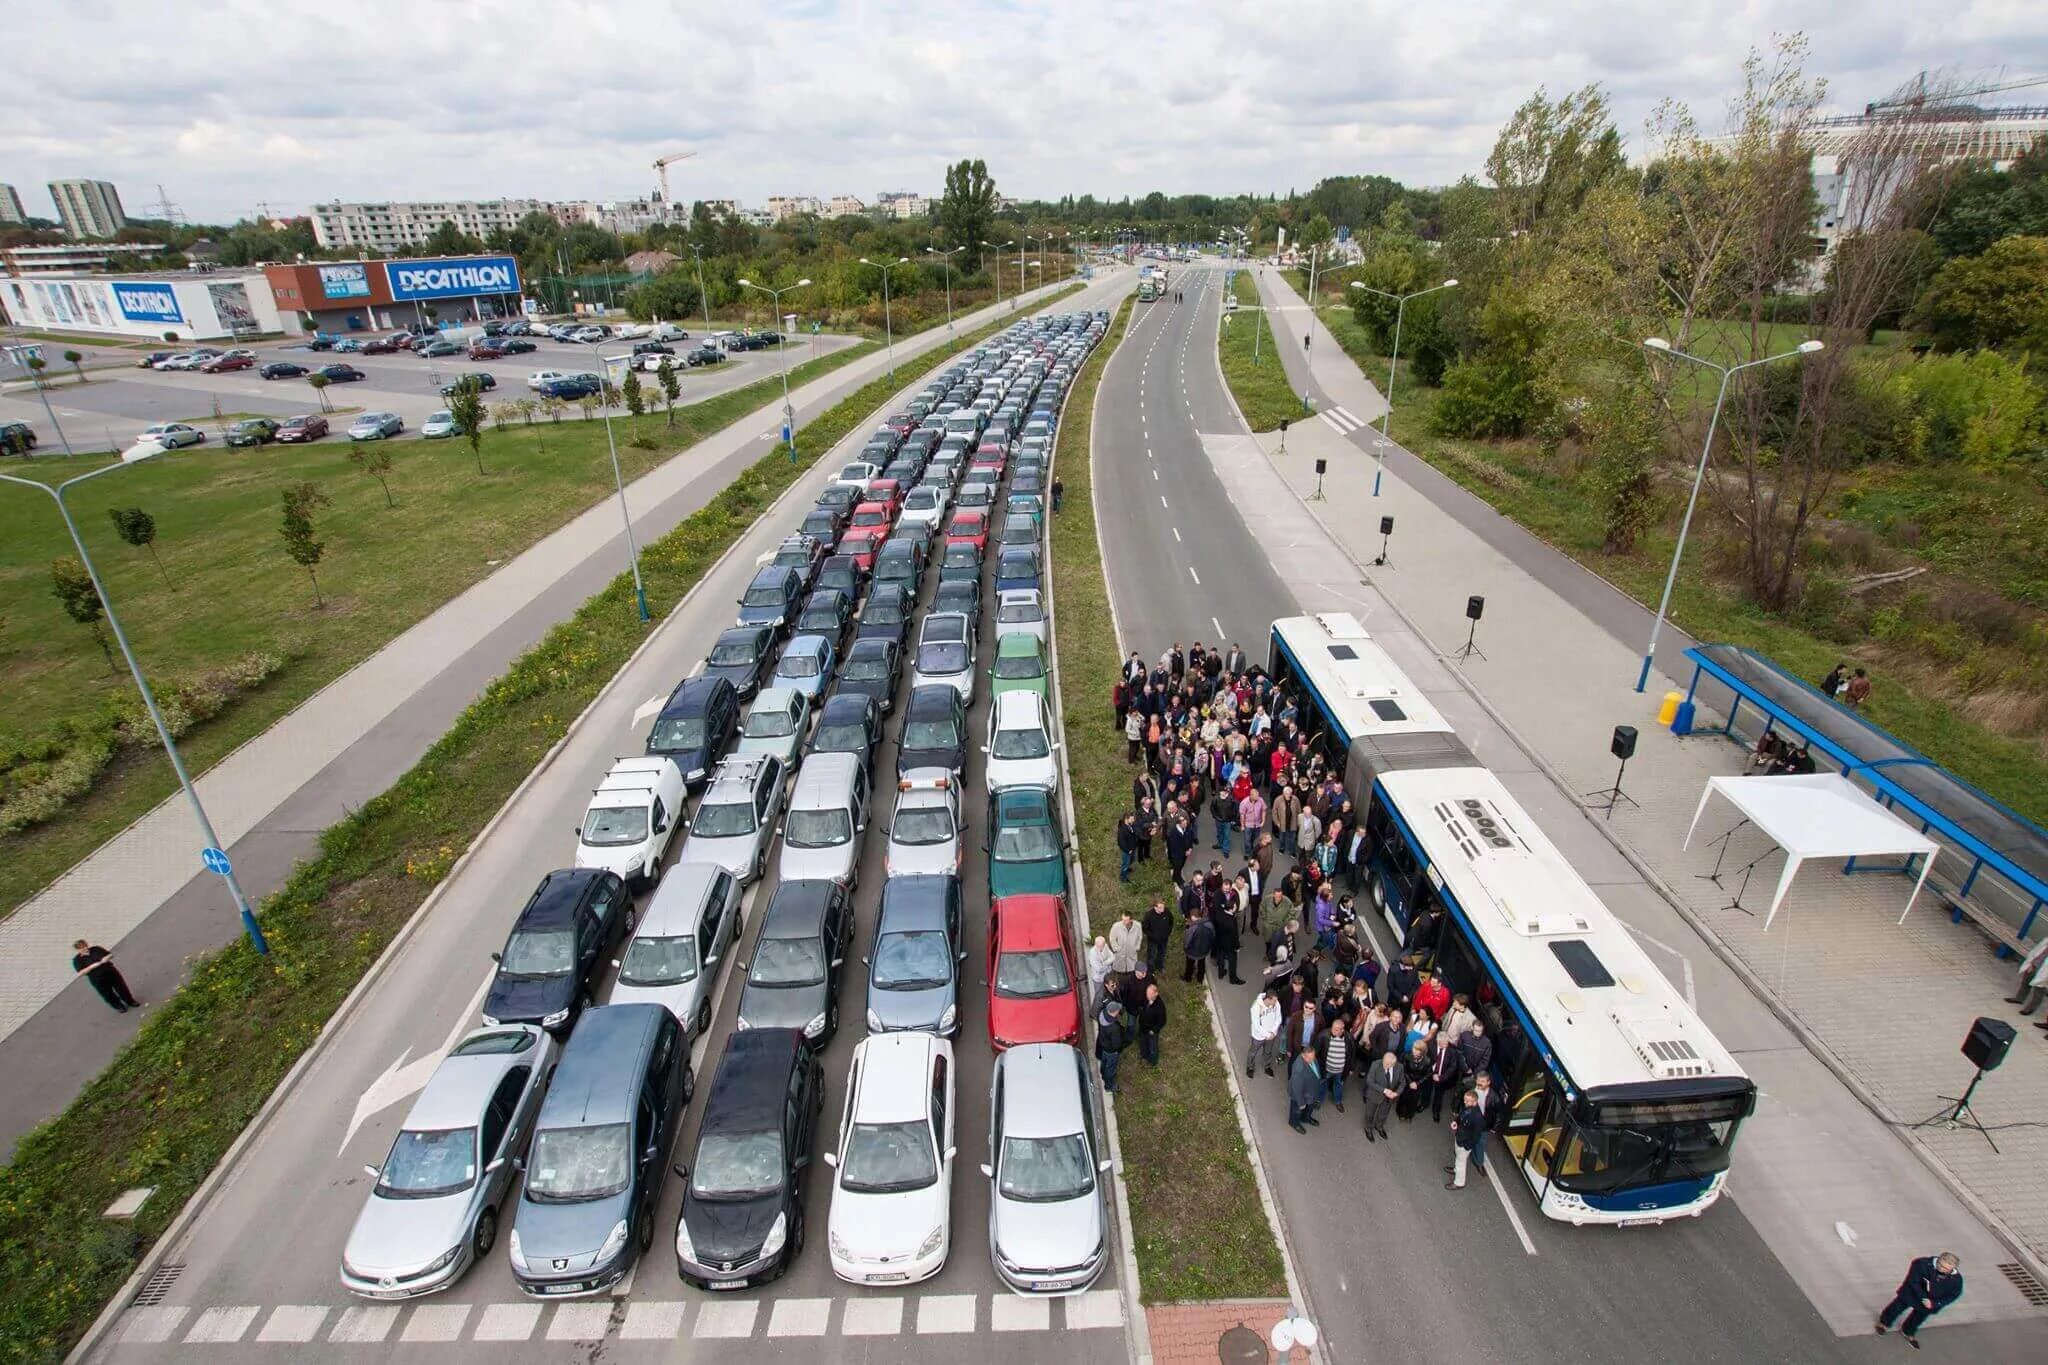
234	102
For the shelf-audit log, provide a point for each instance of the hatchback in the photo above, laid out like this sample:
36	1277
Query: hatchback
690	927
775	724
1019	665
945	654
735	820
806	665
934	732
172	435
849	723
1032	997
793	979
252	431
870	670
1016	568
1048	1216
901	561
914	970
892	1201
1021	612
827	612
1026	850
924	832
743	1207
743	656
887	614
961	563
1020	746
550	963
959	595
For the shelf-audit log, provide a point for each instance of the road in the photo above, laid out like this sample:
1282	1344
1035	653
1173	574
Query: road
256	1263
1395	1266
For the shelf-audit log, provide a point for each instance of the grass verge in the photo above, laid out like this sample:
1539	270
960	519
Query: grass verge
171	1103
1199	1228
1251	366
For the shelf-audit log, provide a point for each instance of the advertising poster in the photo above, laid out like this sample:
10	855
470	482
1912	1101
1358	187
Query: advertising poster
231	305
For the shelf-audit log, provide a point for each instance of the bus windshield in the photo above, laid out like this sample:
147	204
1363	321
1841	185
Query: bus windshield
1606	1159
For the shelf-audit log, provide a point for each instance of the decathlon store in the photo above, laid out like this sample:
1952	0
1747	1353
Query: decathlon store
339	297
209	306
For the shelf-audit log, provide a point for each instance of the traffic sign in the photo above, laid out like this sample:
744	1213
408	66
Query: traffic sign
817	327
216	861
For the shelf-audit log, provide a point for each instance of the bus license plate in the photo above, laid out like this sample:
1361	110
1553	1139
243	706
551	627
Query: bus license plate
1637	1222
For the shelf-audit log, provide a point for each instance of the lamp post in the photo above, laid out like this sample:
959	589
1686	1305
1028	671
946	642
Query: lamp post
1727	372
1393	362
223	867
782	356
888	324
20	355
619	479
1021	241
945	260
703	297
999	265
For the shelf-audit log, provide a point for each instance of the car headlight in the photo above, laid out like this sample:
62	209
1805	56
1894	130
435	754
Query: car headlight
874	1022
839	1247
489	1022
742	1022
444	1260
946	1020
518	1257
558	1017
816	1026
696	775
931	1243
614	1242
684	1248
778	1233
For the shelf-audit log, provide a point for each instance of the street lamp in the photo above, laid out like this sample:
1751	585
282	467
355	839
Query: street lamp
1393	362
889	326
212	856
782	357
1020	265
703	297
619	479
945	259
999	265
1727	372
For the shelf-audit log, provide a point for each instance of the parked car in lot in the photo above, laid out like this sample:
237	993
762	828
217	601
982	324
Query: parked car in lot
1020	745
172	435
232	360
742	1221
744	656
901	561
914	969
691	926
705	355
1032	995
484	380
551	961
16	436
735	819
793	979
961	596
887	614
439	426
849	723
376	426
934	732
309	426
571	387
252	431
435	349
892	1199
154	359
432	1212
1017	568
828	811
924	832
776	724
700	717
771	598
340	374
1048	1216
827	612
633	814
280	369
870	670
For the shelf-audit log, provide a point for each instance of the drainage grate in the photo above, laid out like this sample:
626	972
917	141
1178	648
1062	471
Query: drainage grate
164	1276
2024	1281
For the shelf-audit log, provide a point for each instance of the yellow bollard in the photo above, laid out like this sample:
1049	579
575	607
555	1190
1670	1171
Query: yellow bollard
1669	708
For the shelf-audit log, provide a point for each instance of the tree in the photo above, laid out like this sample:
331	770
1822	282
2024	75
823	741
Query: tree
1988	206
967	208
81	600
667	297
36	366
466	406
301	500
635	396
671	386
72	358
450	240
138	528
1999	298
374	459
318	383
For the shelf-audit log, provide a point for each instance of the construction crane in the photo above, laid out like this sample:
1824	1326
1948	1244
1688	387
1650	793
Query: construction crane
1953	98
661	166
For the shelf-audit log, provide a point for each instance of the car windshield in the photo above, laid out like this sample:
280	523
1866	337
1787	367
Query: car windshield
539	952
1033	975
930	734
922	825
1019	612
918	960
659	962
611	826
871	516
770	724
885	613
734	652
425	1163
883	1158
726	820
568	1165
941	658
869	669
441	416
681	732
1027	665
818	828
1020	744
1045	1170
798	665
788	962
840	739
961	556
737	1165
765	595
1024	844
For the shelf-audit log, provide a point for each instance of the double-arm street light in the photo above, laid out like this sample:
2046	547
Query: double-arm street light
1021	243
213	857
998	248
782	354
703	297
888	325
1727	372
618	479
1393	363
946	261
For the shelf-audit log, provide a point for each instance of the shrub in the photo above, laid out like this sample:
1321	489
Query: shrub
1981	407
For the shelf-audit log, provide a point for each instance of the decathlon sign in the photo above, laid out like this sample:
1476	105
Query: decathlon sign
147	302
456	277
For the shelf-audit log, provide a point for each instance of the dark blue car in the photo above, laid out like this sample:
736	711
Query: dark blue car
571	389
1016	567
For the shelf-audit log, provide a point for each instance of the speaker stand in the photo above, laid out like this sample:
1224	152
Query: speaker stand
1468	649
1748	870
1317	496
1611	795
1381	561
1958	1113
1715	875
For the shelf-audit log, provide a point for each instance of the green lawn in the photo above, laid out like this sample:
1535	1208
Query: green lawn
1199	1228
1250	366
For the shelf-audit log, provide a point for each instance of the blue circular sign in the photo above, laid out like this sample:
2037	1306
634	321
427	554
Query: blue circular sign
216	861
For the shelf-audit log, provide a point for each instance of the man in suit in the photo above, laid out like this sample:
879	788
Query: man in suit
1383	1082
1932	1283
1304	1090
1491	1113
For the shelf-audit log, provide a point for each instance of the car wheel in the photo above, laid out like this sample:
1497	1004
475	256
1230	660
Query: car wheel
644	1235
632	918
703	1024
796	1235
760	864
486	1234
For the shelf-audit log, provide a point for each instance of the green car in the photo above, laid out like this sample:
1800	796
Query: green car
252	431
1026	851
1019	665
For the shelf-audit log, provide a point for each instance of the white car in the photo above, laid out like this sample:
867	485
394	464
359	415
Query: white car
171	435
924	833
924	505
539	379
440	425
858	474
1021	611
633	814
1020	745
892	1188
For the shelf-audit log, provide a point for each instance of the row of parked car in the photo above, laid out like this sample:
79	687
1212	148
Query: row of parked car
779	730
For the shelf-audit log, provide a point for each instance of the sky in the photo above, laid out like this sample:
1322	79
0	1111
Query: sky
235	103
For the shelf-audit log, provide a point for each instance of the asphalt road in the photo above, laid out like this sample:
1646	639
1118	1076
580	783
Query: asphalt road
1395	1266
258	1264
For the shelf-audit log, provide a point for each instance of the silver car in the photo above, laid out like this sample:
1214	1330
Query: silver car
775	724
828	810
375	426
684	937
945	653
1021	612
1048	1225
433	1211
735	820
924	833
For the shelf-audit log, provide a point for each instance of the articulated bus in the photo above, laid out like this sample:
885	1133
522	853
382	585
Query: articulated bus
1623	1108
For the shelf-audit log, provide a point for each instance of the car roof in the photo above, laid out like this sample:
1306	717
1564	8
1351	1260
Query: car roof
1029	922
1019	708
773	573
738	771
895	1077
934	697
807	644
461	1087
916	902
776	698
873	644
752	1082
1016	642
823	778
727	636
842	707
555	900
596	1080
673	907
1019	597
1041	1091
798	907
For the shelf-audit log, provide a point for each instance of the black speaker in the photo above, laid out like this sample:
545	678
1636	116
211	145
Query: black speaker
1624	745
1322	466
1386	526
1283	426
1475	606
1986	1043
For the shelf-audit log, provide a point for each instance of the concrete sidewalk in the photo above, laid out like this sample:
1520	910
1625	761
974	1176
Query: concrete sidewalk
271	797
1883	1006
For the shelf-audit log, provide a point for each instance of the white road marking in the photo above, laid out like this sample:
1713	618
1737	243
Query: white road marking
652	1320
1192	574
218	1326
1845	1232
938	1313
725	1318
365	1324
1176	533
651	707
1155	476
800	1317
1010	1313
871	1318
152	1326
1219	627
507	1322
579	1322
429	1322
1096	1308
299	1322
402	1079
1501	1190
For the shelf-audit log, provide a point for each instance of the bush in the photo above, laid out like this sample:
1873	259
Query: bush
1982	408
1495	392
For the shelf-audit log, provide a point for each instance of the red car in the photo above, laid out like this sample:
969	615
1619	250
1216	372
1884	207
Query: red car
309	427
902	423
379	346
888	491
862	543
486	349
228	362
869	514
969	527
1032	992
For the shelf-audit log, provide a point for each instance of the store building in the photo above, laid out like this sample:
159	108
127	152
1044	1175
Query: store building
185	305
383	296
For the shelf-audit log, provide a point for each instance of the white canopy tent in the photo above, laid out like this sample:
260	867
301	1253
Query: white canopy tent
1818	815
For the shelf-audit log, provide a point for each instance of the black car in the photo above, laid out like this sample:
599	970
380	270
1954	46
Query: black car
900	562
652	348
827	612
743	1206
849	723
802	552
962	595
340	374
934	730
962	562
482	379
512	345
844	573
793	978
552	959
280	369
887	614
16	438
707	354
744	656
870	670
840	497
823	524
696	723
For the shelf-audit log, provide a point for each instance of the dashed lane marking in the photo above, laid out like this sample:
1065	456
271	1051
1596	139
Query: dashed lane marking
429	1322
580	1322
1219	627
1176	533
727	1318
508	1322
1192	574
944	1313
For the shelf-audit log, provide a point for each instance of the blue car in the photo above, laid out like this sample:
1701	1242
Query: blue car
806	666
570	389
1016	568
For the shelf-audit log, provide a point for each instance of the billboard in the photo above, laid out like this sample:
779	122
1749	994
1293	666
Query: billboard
345	281
147	302
231	305
452	278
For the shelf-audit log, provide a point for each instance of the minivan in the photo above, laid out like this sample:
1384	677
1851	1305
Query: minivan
827	813
688	930
696	723
593	1175
772	598
743	1206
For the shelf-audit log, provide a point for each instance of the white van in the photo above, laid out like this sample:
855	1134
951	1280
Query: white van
633	814
669	331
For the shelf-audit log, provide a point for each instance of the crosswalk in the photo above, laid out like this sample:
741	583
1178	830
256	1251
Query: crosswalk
1340	420
717	1319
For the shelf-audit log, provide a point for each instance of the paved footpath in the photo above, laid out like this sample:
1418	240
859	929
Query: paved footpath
1863	1018
142	892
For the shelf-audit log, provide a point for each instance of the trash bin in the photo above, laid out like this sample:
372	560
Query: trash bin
1681	719
1669	707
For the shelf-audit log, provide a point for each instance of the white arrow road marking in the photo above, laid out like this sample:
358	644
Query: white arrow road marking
403	1079
1845	1232
651	707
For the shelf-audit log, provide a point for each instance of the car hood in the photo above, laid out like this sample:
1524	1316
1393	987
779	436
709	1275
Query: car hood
679	999
1050	1019
528	999
893	1224
950	759
781	1006
729	1231
1022	772
760	616
924	860
921	1009
782	747
1045	1236
742	676
399	1237
734	853
569	1232
1046	876
622	859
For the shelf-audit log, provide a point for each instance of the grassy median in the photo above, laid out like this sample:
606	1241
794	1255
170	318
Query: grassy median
1200	1230
173	1101
1251	365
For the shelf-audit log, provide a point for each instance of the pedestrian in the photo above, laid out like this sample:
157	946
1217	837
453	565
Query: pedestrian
2033	979
1858	690
1468	1133
1837	678
1383	1082
1402	983
1059	490
1306	339
1234	660
96	965
1325	920
1336	1060
1265	1032
1180	842
1228	940
1447	1070
1100	960
1134	734
1148	827
1264	859
1304	1090
1304	1019
1932	1283
1151	1023
1477	1049
1434	995
1223	811
1196	941
1490	1113
1158	931
1126	941
1126	844
1414	1075
1112	1036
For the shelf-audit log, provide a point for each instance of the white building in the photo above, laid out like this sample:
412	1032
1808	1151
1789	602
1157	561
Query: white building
1995	137
727	208
205	306
88	208
781	206
845	206
901	204
390	226
11	210
69	260
619	215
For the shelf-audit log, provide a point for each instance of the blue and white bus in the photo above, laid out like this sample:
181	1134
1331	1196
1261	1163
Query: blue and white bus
1623	1107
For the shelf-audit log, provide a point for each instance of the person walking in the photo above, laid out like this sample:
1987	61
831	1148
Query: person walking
1932	1283
1059	490
1228	939
1126	941
1112	1036
1336	1060
1286	816
1223	813
2033	982
1158	931
1468	1133
1265	1030
1151	1023
96	965
1383	1082
1415	1075
1196	941
1304	1090
1100	960
1126	844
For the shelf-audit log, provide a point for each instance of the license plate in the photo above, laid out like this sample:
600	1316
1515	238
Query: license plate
1638	1222
1057	1284
888	1276
561	1289
728	1284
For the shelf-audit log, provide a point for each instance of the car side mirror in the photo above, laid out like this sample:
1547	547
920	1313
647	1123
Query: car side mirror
615	962
682	1170
370	1171
1104	1165
497	957
830	1159
988	1170
496	1164
952	1152
837	961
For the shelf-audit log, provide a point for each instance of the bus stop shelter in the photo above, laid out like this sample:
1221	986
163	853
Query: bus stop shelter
1997	874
